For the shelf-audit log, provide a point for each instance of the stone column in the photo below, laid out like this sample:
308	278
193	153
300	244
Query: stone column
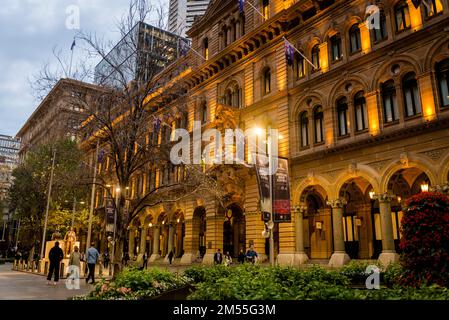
339	257
143	243
131	242
156	243
296	256
191	241
171	239
388	254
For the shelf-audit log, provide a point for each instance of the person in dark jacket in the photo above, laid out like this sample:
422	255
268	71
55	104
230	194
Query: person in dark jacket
218	257
241	257
55	257
170	257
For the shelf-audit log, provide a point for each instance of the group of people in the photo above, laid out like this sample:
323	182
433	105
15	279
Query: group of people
226	259
56	255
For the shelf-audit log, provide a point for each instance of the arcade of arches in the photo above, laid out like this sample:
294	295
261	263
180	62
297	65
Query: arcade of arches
356	217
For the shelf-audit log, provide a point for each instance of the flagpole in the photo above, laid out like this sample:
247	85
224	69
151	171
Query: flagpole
302	55
71	58
92	199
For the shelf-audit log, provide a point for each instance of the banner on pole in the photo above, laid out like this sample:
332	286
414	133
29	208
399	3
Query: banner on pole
279	202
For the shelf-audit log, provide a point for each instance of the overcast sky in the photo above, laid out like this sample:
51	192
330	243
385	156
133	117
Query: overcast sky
29	30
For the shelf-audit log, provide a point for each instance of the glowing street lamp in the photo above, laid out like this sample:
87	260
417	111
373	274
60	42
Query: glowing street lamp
424	187
372	194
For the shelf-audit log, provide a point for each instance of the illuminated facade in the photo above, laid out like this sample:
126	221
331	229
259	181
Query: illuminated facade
364	131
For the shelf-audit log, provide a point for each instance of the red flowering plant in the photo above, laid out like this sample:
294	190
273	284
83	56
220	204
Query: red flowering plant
425	242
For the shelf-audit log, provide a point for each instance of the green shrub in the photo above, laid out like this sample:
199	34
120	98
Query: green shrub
132	284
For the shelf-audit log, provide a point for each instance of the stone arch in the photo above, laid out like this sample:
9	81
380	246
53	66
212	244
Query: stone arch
338	90
309	182
436	53
444	169
414	162
316	98
383	73
364	171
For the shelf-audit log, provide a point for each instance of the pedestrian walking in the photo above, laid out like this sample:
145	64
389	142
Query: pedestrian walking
105	260
73	271
75	258
55	256
92	259
170	257
251	255
218	257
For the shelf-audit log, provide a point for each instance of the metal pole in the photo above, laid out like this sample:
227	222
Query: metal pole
92	200
270	176
17	235
117	199
48	203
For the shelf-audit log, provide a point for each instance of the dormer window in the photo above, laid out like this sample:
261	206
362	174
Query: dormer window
206	48
267	81
266	9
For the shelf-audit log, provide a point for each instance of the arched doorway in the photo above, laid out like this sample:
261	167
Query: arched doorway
163	235
179	225
148	224
404	184
317	230
358	231
234	230
199	231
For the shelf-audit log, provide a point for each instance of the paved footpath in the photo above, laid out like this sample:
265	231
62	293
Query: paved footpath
15	285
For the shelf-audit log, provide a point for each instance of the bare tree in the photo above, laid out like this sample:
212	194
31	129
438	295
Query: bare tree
132	113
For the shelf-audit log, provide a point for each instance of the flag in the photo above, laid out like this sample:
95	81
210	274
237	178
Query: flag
241	5
289	53
73	45
183	47
416	3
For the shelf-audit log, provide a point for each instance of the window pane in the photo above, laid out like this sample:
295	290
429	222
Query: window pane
395	107
388	109
417	100
359	117
409	102
444	90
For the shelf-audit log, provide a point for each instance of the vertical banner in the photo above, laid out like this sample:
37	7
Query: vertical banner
110	210
281	192
263	180
280	188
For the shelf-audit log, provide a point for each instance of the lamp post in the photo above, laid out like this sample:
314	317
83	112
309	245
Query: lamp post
48	204
117	199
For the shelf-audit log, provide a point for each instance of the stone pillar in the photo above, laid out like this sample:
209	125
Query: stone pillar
427	96
339	257
132	235
388	254
156	243
171	239
143	243
191	241
297	257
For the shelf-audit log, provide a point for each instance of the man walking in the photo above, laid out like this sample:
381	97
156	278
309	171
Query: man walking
55	256
92	258
218	257
145	261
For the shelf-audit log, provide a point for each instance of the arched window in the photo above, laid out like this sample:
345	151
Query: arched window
435	7
206	48
304	123
318	118
342	112
381	33
266	8
389	101
442	71
316	56
300	66
354	38
336	47
228	97
402	16
267	81
361	116
412	100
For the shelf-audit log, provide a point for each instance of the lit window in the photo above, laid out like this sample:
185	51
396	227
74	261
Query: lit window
204	114
354	37
342	111
316	56
266	8
402	16
318	124
206	48
389	101
381	33
361	117
432	8
412	101
300	66
442	71
336	47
